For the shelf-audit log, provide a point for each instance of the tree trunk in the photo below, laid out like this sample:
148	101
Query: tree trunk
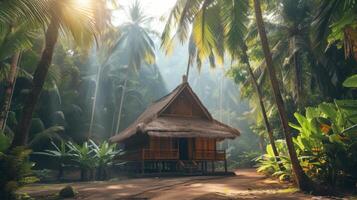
262	107
21	134
302	180
298	77
99	72
121	106
8	90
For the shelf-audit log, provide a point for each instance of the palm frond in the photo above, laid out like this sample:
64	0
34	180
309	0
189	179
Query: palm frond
32	11
234	17
50	133
15	40
179	20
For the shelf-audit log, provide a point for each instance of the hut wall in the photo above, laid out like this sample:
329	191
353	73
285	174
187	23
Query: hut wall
205	144
136	143
185	105
163	143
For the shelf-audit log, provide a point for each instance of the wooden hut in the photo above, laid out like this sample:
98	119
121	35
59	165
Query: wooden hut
175	133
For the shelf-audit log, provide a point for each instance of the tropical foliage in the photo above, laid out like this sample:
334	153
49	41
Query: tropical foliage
15	168
86	157
327	138
70	78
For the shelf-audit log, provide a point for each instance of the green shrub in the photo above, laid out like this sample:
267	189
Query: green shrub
326	145
246	159
15	171
267	163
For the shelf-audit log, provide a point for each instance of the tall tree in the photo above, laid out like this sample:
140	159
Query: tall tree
8	90
135	47
210	40
70	16
18	19
302	179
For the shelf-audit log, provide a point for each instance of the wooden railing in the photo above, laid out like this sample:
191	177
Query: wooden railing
209	155
171	154
160	154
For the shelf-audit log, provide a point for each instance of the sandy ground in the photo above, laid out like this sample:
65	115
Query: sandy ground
247	184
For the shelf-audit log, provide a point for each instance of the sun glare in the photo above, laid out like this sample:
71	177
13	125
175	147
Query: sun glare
83	4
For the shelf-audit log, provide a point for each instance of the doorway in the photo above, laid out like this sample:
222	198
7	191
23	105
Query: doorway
183	148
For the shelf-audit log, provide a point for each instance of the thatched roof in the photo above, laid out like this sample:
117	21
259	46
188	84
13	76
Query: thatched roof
159	120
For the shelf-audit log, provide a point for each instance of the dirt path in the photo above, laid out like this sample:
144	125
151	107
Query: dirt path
247	184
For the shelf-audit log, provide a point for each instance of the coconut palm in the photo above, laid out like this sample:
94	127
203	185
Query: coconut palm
75	20
206	35
12	41
301	178
134	48
208	32
17	21
31	11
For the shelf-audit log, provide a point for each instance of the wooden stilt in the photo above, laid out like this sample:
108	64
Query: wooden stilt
142	161
142	166
205	167
160	167
225	166
213	166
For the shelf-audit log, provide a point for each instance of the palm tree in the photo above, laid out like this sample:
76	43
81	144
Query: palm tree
78	21
336	19
134	48
207	38
292	51
31	11
15	36
8	90
12	41
302	179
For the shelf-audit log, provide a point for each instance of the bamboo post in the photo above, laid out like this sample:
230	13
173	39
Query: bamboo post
225	162
212	166
225	165
142	161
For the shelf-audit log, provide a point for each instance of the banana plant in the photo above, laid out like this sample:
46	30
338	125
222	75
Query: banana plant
327	138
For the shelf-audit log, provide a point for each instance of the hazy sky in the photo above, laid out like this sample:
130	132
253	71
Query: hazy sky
153	8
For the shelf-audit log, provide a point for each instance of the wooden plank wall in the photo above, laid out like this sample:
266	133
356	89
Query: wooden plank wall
205	144
161	143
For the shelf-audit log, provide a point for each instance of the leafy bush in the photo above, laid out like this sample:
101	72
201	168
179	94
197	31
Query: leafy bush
15	168
60	153
327	139
246	159
104	154
267	163
86	157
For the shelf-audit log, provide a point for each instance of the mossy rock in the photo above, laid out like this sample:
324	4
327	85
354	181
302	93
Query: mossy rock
67	192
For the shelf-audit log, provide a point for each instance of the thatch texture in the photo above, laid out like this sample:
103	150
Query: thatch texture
155	121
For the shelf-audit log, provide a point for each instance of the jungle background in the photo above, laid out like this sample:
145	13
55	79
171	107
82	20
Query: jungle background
96	86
